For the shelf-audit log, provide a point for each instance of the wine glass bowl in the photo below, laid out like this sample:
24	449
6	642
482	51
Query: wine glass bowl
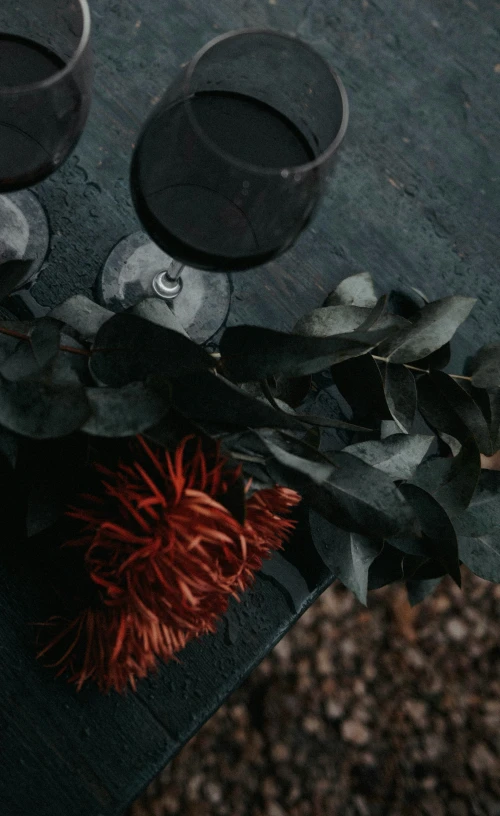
45	79
45	92
226	173
230	166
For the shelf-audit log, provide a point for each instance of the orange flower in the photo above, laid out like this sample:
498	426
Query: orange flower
166	556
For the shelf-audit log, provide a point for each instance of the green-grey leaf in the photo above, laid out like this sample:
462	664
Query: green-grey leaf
482	555
45	338
330	320
128	348
485	367
21	364
482	516
359	380
439	540
448	408
124	411
158	311
9	445
400	394
494	400
12	274
464	406
356	290
347	492
386	568
254	353
82	315
42	410
419	590
452	481
288	578
8	345
432	327
348	555
211	398
398	456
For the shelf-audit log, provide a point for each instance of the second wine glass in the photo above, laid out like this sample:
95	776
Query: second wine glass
226	173
45	91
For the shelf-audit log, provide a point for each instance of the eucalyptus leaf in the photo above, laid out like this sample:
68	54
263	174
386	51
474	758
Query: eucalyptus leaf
8	344
386	568
292	390
378	315
21	364
359	380
42	410
482	516
494	398
9	446
428	570
69	366
128	348
158	311
388	428
331	320
346	492
210	397
439	539
348	555
12	274
254	353
125	411
313	437
45	338
288	578
356	290
400	394
456	398
449	411
485	367
418	590
432	327
452	481
82	315
398	456
482	555
311	419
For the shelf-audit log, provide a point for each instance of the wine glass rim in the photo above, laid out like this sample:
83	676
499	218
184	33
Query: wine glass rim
257	168
53	79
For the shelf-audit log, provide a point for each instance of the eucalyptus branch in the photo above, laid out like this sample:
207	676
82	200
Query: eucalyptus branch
421	370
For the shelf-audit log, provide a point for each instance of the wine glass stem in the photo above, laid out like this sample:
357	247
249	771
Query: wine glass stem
168	284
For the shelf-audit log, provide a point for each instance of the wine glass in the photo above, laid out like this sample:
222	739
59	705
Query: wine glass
45	83
226	173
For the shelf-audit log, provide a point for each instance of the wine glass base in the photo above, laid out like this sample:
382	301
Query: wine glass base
24	231
127	277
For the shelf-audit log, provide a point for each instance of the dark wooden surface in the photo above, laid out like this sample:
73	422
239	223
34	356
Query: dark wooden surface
415	201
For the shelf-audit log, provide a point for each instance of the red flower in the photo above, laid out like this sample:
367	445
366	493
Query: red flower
166	555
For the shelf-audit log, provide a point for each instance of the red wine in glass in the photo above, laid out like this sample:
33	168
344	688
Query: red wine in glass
206	226
45	81
227	172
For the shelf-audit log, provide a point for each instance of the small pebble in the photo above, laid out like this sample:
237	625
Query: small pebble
355	732
483	761
457	629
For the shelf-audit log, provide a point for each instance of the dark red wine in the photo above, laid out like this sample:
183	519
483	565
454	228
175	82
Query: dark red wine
207	185
37	128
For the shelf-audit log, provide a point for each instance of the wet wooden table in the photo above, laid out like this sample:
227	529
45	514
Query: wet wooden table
415	201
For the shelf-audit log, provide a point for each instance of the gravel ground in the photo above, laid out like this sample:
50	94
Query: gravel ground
356	712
